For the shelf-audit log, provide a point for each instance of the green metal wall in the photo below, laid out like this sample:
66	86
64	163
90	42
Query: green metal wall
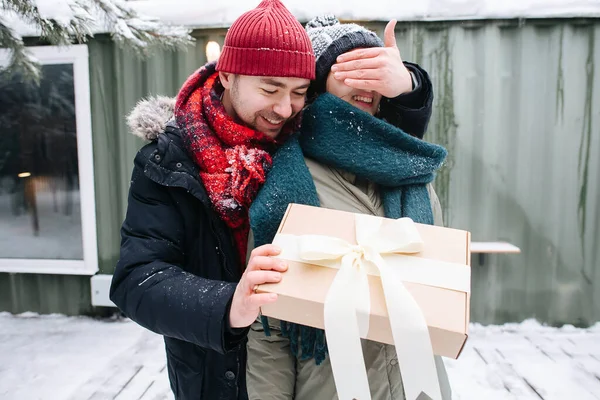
117	81
518	107
516	104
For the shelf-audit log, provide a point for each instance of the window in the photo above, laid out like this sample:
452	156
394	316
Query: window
47	208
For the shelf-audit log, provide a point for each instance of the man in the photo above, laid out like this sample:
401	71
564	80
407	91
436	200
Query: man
346	158
182	270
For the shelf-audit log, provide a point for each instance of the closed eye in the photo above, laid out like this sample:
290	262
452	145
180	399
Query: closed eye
269	91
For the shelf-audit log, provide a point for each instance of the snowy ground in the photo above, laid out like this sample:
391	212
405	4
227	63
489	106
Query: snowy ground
55	357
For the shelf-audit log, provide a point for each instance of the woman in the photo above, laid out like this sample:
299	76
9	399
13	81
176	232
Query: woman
346	157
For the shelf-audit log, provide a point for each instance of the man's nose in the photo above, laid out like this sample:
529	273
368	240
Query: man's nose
283	108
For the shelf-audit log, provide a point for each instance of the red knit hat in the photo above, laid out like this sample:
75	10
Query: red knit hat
268	41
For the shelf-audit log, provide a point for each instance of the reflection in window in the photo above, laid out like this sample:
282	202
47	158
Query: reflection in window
40	214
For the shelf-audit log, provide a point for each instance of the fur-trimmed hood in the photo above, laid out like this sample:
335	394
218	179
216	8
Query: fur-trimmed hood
150	116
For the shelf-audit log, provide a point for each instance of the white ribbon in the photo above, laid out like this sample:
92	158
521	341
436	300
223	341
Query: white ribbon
347	304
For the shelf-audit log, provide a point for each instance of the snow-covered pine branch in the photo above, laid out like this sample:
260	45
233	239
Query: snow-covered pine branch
62	22
21	60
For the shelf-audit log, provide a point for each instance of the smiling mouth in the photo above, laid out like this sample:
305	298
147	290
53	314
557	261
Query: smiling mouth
274	122
363	99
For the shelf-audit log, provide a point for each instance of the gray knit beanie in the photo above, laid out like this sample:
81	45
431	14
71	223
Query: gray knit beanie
330	39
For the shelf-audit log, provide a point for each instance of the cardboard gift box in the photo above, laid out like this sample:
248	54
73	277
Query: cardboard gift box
442	291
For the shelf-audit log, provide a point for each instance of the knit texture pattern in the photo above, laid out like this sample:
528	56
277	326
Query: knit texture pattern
233	159
331	39
268	41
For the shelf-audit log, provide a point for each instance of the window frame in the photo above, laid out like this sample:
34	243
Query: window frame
78	56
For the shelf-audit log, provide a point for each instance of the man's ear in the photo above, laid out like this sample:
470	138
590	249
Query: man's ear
226	79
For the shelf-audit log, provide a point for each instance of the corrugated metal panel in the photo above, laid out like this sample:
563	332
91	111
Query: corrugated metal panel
517	106
119	81
45	294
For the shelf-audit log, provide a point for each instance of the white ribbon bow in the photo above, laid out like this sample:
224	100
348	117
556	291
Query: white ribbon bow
347	304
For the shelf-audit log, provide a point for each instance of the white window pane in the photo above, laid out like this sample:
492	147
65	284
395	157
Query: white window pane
40	214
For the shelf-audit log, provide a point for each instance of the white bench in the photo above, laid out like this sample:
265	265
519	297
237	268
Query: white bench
494	247
483	248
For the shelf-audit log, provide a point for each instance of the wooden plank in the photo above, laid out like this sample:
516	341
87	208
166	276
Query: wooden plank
114	385
570	353
129	373
140	384
540	364
481	374
501	365
160	389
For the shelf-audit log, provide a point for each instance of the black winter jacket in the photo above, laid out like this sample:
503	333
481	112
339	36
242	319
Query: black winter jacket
177	273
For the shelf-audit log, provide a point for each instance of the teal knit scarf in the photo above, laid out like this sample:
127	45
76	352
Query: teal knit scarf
337	134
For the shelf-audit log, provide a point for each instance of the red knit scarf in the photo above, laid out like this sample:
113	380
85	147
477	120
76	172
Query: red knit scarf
233	159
